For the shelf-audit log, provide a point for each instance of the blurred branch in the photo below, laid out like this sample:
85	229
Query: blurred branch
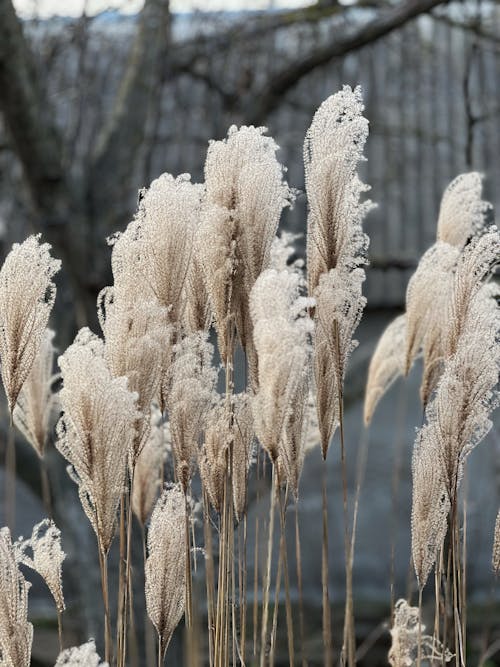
468	26
39	147
268	98
122	137
24	107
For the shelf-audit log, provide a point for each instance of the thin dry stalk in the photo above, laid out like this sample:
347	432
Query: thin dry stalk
327	621
298	560
267	575
209	577
283	549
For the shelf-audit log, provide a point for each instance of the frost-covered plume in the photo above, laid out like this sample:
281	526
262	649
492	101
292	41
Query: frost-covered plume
165	568
27	294
80	656
43	553
339	308
96	432
138	342
16	634
474	268
333	149
227	430
168	214
336	244
425	296
458	417
213	459
462	212
430	505
386	365
245	194
197	313
462	216
243	450
282	252
192	380
149	466
37	400
281	334
407	633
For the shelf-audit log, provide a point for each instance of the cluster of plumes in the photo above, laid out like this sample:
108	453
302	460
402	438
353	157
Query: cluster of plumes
137	340
406	634
16	634
458	416
43	553
96	432
191	393
423	329
282	329
336	244
27	294
149	467
165	568
37	401
228	432
158	292
80	656
245	194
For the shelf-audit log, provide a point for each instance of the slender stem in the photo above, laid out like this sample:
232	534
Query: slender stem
289	617
120	622
44	479
59	629
327	621
103	563
243	596
209	577
129	518
267	576
274	627
256	562
419	646
189	579
298	560
10	481
160	653
148	626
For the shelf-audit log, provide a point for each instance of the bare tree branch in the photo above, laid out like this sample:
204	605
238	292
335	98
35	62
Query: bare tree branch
123	134
268	98
28	119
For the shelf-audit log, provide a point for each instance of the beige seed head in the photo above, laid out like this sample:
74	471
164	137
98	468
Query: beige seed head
282	330
245	194
462	212
424	295
46	557
165	568
406	636
37	401
96	432
149	466
192	380
16	634
386	365
27	294
80	656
